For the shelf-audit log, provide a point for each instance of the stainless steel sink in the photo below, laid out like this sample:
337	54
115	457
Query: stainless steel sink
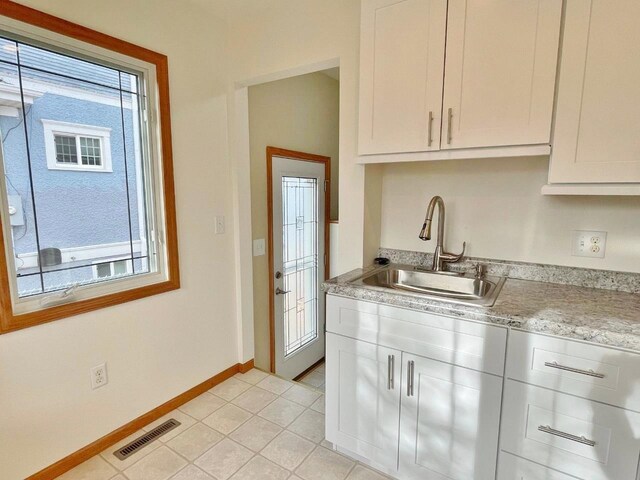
445	286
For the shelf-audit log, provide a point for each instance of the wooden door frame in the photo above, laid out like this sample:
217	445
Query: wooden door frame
304	157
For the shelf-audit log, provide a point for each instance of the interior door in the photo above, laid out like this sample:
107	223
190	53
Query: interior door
298	256
449	421
500	72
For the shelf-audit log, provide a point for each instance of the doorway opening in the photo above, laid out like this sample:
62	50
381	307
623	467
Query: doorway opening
297	117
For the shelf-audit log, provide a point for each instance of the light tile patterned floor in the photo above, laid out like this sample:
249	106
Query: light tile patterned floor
315	378
253	426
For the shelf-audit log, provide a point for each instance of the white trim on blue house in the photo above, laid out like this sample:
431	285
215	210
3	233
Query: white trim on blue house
112	262
54	127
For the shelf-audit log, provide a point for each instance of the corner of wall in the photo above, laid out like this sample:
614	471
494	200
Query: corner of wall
372	212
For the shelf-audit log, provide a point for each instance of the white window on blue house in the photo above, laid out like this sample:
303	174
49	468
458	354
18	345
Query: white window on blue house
82	151
83	148
116	268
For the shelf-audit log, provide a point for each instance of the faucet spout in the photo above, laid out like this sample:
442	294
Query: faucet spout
425	233
439	256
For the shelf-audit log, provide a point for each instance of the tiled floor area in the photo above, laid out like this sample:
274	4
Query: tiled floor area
315	378
252	426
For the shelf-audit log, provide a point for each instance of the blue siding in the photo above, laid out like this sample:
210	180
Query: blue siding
74	208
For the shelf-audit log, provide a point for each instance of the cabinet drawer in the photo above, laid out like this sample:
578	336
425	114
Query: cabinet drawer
511	467
573	435
590	371
469	344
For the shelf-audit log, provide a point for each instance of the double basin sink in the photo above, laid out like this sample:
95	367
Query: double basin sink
462	288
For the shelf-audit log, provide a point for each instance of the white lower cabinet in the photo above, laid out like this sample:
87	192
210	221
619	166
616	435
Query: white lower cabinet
586	439
511	467
449	421
411	416
421	397
363	399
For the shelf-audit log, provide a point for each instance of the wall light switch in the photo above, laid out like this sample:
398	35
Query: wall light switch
588	244
219	224
258	247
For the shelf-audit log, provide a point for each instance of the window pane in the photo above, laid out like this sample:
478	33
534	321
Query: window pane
75	219
66	68
103	270
299	253
90	151
66	151
120	268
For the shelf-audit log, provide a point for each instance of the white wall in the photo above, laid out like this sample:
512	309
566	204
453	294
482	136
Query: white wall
298	113
273	39
496	206
155	348
271	36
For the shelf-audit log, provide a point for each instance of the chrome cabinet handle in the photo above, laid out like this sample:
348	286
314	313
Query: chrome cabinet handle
281	292
410	366
390	379
430	136
449	124
568	436
589	372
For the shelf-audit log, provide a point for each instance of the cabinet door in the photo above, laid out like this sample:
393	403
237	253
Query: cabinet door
597	131
401	67
449	422
363	399
500	72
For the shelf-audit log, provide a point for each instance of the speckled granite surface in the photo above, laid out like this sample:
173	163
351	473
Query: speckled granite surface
596	315
583	277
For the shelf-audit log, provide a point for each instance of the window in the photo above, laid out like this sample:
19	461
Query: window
70	146
88	216
116	268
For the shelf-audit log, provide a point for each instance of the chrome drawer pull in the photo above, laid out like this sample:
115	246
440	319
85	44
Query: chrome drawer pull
410	367
590	373
568	436
390	369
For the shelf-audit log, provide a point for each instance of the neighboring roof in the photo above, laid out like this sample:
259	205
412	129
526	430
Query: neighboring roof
40	64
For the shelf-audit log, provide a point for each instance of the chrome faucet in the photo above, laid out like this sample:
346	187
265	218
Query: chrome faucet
440	257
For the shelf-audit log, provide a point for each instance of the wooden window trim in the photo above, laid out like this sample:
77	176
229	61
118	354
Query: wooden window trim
10	322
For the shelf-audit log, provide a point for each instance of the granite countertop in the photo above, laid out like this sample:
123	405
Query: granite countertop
601	316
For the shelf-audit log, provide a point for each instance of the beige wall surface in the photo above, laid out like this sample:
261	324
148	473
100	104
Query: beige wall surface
158	347
273	36
273	39
496	207
298	113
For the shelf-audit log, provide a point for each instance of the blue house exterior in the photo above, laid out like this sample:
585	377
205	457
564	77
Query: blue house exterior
76	211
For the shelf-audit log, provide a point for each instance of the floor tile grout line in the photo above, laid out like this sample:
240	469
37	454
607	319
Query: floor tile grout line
305	409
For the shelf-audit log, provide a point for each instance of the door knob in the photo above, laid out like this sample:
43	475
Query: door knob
281	292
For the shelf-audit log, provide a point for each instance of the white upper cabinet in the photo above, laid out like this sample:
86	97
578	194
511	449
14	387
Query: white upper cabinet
597	129
500	72
401	70
497	81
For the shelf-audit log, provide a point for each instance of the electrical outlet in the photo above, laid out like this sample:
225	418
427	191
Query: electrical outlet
589	244
99	376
